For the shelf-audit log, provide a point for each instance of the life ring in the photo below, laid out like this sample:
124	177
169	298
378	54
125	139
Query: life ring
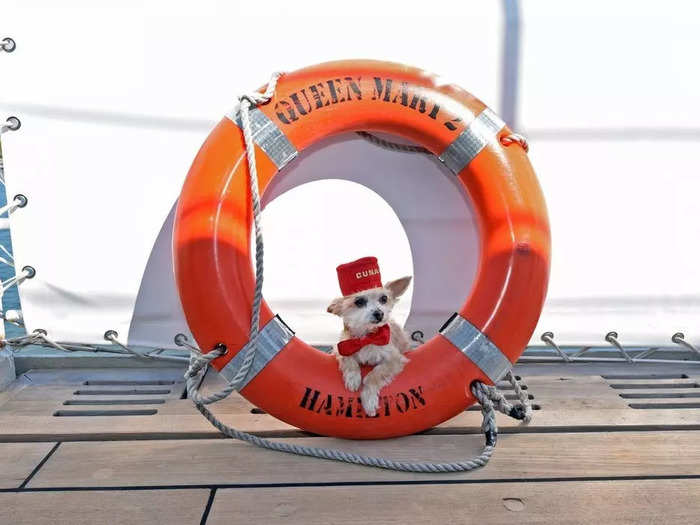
297	383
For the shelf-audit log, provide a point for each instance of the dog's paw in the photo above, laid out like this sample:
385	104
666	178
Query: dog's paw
370	402
353	380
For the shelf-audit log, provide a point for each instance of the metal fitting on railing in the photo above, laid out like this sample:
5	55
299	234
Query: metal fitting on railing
679	339
11	124
611	337
548	337
29	273
418	336
112	337
183	340
19	201
8	45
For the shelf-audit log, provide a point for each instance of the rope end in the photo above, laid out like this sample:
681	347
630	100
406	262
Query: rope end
491	438
518	412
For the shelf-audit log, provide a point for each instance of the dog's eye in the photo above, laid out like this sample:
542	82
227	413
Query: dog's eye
383	299
360	302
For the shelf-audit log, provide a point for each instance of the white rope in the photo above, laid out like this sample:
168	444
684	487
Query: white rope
7	252
513	138
39	337
42	336
8	259
199	362
9	207
489	427
112	337
20	201
516	138
392	146
16	279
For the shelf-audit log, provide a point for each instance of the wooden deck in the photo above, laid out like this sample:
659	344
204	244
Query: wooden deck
608	444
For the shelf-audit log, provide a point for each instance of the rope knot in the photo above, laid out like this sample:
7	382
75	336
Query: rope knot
255	98
198	360
517	412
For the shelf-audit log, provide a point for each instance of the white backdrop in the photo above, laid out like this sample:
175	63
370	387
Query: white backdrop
115	101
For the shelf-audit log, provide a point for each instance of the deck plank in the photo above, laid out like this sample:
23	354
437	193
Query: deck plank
657	501
167	507
573	399
18	460
688	382
192	425
60	393
518	456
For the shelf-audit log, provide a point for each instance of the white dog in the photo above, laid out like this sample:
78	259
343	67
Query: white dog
370	336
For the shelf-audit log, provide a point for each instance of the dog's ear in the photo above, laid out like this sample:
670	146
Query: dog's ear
398	287
336	306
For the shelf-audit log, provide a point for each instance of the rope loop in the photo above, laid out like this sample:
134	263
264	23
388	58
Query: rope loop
256	98
392	146
488	397
516	138
199	361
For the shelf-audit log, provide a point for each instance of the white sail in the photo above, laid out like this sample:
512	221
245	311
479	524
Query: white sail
115	101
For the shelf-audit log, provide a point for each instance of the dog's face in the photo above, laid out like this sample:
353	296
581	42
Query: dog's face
366	311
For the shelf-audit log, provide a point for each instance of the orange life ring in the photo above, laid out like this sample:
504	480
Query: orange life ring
296	382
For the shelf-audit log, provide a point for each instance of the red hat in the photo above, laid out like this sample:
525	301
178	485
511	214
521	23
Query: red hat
359	275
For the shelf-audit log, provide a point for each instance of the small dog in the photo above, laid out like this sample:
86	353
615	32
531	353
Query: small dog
370	336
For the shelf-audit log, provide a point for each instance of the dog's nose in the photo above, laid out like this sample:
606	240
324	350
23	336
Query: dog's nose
378	315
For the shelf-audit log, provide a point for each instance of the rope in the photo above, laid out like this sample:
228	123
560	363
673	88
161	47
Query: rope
522	411
516	138
199	361
17	279
17	202
489	397
513	138
489	427
392	146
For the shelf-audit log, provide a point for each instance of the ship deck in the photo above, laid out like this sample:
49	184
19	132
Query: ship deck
608	443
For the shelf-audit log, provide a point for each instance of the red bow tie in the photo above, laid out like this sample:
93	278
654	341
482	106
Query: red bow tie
380	337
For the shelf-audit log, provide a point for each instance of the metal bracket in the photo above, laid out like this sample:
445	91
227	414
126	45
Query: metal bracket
611	337
272	338
478	348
